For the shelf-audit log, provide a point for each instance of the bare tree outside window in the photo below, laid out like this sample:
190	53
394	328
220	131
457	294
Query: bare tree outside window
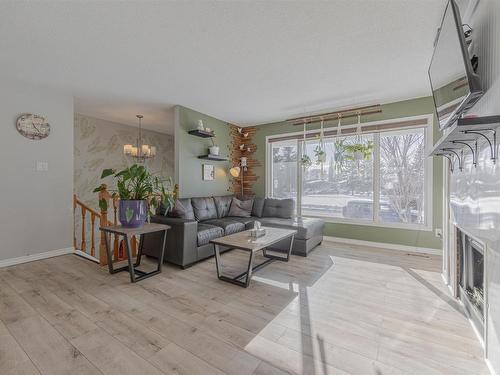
402	162
284	170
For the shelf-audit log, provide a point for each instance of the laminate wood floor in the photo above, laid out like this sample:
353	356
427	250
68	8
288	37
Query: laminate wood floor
341	310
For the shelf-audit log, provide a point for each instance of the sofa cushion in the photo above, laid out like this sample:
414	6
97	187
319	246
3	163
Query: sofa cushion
182	209
229	226
258	207
222	205
204	208
247	221
208	232
306	227
282	208
241	208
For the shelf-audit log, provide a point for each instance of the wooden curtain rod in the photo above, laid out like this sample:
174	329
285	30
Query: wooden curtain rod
346	113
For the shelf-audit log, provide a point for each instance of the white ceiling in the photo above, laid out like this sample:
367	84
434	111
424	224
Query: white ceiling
242	61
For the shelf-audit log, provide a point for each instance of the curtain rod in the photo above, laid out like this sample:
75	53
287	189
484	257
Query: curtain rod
346	113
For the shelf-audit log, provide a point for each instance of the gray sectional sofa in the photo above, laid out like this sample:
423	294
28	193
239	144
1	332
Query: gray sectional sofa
196	221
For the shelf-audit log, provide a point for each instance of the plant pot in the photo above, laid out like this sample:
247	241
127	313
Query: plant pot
133	213
358	155
214	150
321	158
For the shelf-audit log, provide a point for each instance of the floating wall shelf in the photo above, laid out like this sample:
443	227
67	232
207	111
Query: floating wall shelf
213	157
201	133
464	135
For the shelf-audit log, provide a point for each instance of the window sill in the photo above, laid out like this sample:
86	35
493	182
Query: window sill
418	227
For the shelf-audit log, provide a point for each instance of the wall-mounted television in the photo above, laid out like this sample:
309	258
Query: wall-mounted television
455	85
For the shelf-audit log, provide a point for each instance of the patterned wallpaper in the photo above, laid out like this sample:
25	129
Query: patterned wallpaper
99	145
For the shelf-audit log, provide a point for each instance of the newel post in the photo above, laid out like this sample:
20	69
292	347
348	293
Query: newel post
104	198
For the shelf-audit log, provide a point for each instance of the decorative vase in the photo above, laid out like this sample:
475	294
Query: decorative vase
200	125
133	213
214	150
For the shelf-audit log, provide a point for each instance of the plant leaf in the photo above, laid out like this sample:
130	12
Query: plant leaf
107	172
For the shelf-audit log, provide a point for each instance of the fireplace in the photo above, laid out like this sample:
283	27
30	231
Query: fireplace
471	278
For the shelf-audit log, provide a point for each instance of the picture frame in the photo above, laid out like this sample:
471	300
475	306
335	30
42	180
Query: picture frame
208	172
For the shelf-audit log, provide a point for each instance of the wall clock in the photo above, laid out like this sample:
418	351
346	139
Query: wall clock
33	126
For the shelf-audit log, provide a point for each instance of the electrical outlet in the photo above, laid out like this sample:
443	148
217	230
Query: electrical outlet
439	233
42	166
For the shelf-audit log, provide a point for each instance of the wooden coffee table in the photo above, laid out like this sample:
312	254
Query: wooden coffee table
243	241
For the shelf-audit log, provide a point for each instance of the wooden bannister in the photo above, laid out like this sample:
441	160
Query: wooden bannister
98	219
81	244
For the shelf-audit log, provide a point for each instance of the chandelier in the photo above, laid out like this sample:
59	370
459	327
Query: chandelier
141	151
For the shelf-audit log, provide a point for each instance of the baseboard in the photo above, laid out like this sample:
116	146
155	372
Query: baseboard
33	257
86	256
382	245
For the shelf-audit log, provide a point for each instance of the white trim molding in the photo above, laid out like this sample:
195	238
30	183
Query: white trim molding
33	257
382	245
86	256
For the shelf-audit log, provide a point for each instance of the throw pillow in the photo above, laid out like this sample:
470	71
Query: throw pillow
240	208
182	209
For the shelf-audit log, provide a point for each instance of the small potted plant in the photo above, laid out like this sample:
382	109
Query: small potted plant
305	161
360	151
320	154
140	192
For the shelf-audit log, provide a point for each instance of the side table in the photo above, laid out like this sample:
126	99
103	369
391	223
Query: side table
127	233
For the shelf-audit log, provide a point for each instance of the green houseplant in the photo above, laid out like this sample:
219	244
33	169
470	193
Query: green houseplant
359	151
140	193
320	154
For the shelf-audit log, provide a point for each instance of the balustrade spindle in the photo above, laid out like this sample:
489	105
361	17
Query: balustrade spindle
92	234
83	244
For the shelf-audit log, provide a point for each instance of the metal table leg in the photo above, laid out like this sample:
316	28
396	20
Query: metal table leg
250	269
278	257
135	274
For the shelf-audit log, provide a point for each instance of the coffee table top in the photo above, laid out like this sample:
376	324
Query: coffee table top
243	240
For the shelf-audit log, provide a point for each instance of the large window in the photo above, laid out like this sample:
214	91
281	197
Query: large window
342	186
375	178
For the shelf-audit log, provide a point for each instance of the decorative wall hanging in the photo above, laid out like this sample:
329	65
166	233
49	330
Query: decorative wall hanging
208	172
242	160
319	151
33	126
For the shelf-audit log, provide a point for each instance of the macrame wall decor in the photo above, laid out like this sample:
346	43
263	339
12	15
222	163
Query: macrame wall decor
320	151
305	160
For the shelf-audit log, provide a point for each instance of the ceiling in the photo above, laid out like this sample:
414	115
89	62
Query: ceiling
241	61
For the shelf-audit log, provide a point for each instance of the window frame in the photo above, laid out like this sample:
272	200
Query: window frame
375	222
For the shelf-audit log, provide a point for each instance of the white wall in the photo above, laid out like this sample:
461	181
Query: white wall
475	192
36	212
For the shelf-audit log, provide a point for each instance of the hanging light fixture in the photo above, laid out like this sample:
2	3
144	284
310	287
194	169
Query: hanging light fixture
141	151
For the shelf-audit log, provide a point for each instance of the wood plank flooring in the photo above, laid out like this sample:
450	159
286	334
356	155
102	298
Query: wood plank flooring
341	310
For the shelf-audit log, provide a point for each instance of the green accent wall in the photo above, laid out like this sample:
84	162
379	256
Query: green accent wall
417	238
188	168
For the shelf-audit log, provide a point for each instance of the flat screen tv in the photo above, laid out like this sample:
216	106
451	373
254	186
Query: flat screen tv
455	85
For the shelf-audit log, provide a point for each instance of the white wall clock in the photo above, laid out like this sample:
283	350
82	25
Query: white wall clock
33	126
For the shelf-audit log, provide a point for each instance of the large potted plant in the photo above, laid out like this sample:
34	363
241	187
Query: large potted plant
140	193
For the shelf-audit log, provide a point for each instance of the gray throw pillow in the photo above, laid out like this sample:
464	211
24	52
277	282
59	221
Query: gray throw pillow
182	209
258	207
223	204
281	208
241	208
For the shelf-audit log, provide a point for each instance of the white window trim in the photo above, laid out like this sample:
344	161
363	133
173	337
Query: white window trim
428	189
